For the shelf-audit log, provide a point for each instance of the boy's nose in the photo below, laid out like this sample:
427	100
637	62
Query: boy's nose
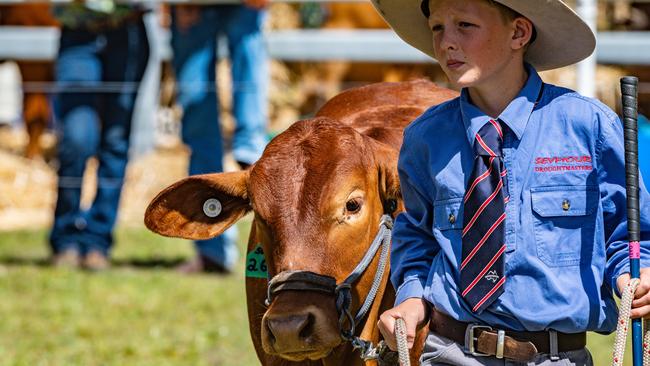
447	41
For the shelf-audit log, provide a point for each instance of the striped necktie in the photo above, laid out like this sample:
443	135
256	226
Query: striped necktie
482	268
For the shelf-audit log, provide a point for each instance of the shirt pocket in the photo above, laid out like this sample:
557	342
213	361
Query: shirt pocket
564	219
447	214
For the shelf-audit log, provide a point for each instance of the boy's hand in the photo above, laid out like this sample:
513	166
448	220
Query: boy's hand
413	311
641	303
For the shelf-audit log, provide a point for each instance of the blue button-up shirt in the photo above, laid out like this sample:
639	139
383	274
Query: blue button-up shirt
565	228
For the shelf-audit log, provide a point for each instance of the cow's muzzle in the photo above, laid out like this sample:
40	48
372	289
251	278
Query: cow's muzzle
310	281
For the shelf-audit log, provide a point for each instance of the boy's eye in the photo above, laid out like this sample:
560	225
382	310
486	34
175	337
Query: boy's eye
436	27
465	25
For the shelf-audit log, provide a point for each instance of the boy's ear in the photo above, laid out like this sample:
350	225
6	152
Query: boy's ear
523	32
199	207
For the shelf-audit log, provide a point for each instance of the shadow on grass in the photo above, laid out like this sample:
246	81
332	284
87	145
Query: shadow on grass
144	264
24	261
149	263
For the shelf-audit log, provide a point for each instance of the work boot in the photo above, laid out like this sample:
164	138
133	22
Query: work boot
243	165
96	261
202	264
66	259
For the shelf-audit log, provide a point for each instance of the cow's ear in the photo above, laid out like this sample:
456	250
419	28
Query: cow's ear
386	160
199	207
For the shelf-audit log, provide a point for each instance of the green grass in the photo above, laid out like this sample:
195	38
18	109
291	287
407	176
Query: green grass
138	313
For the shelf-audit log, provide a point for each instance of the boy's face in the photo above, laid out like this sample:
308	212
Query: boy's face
472	41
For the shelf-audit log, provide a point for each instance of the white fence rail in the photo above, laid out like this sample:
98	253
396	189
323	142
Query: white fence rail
40	43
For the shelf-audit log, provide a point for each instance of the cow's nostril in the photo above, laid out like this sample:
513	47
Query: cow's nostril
308	327
290	330
269	331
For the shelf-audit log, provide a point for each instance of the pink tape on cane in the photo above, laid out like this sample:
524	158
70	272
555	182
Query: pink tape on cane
635	250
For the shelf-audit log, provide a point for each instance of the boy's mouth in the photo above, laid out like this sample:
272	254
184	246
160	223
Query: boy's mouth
454	64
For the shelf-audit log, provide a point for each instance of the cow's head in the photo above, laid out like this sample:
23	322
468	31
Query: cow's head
318	194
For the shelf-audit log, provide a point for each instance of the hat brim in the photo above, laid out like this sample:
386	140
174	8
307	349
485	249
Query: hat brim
563	38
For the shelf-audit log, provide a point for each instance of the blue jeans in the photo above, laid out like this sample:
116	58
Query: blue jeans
194	62
94	123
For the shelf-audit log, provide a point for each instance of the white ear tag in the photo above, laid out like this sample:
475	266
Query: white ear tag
212	207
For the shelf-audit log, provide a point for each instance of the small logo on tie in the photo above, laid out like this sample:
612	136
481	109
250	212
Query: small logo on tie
492	276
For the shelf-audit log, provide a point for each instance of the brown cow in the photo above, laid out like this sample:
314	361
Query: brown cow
36	106
317	193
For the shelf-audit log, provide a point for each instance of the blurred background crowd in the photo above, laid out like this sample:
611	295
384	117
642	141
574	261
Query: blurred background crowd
177	48
105	103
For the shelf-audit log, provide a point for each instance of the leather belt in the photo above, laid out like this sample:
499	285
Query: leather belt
481	340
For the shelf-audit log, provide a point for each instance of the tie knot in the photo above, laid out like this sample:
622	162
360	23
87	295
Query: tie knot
489	139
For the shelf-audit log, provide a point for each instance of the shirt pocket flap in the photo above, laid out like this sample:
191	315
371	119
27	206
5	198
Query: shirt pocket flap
554	201
447	214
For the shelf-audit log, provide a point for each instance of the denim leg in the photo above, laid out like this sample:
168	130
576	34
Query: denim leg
194	64
250	75
125	57
78	125
222	249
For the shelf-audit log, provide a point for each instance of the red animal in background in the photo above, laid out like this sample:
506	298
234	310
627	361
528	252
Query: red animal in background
320	193
323	80
36	106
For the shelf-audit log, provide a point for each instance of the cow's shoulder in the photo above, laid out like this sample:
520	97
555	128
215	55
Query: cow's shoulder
382	110
389	103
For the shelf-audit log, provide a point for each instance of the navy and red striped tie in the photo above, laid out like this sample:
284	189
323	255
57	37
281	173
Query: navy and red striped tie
482	268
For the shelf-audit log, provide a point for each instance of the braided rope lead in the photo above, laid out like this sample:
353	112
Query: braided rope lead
402	343
646	342
623	325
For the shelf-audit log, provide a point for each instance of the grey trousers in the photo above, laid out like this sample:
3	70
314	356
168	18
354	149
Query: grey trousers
439	350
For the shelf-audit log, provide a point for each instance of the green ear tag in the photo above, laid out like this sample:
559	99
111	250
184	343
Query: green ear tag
256	263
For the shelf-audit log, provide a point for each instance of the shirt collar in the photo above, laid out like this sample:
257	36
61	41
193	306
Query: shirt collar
515	115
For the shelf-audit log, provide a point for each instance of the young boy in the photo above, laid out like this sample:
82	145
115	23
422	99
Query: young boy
514	234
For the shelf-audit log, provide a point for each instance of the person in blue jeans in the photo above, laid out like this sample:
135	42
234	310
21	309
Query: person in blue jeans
102	58
195	34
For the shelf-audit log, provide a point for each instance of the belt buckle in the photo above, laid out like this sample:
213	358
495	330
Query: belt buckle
470	339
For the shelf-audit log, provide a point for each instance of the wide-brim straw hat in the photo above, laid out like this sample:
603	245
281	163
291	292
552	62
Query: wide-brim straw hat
563	38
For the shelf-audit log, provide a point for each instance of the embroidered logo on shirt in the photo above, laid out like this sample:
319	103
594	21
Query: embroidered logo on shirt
492	276
562	164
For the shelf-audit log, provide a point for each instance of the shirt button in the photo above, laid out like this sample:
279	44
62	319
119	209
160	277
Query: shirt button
452	219
566	205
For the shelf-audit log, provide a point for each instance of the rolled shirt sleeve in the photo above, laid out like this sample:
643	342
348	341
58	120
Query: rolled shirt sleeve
613	197
413	246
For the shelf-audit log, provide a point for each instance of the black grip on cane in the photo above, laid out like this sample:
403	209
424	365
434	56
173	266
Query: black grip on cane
629	90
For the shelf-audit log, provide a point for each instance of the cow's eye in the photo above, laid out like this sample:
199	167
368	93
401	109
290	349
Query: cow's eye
353	206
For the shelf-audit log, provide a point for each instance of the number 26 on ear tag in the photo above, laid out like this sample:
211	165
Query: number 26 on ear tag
256	263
